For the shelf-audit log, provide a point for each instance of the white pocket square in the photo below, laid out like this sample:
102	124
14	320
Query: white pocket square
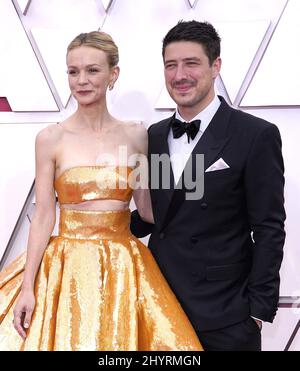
218	165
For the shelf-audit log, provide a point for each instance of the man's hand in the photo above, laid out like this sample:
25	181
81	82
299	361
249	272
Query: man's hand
258	322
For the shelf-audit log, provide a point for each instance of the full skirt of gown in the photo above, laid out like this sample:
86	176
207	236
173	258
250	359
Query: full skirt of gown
98	288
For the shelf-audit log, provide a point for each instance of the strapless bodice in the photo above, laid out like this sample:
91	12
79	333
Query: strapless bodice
98	288
86	183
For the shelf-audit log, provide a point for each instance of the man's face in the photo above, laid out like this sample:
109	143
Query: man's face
188	74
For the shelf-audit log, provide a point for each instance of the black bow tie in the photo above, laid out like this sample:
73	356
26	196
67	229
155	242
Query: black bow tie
190	128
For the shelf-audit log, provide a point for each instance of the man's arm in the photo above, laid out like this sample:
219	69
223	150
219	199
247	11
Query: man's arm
264	184
138	226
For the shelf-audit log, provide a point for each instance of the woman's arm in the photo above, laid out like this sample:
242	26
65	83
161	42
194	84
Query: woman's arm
141	193
43	220
42	224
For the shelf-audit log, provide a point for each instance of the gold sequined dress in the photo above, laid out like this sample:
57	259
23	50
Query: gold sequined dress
98	287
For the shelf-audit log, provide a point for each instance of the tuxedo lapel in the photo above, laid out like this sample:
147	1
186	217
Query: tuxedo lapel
210	145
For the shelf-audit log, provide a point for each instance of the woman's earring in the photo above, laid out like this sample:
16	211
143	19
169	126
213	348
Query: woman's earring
111	87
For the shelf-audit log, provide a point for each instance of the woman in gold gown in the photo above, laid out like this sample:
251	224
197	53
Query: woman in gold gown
94	286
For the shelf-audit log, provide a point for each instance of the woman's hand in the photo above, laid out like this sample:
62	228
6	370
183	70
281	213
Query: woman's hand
23	312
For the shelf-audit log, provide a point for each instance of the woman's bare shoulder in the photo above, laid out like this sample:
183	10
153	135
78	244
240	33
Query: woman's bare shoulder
138	129
137	135
49	135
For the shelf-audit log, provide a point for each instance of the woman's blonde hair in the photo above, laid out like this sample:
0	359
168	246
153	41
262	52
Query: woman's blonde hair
99	40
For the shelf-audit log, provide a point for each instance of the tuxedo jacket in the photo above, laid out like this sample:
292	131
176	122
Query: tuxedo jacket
221	254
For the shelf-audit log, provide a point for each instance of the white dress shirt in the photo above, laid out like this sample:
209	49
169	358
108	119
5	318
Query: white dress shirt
179	148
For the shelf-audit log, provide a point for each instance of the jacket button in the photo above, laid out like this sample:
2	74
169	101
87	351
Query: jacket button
194	240
162	235
204	206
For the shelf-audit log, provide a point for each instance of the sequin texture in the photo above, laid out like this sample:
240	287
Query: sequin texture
98	287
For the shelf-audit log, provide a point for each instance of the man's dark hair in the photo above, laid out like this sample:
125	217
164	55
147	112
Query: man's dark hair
200	32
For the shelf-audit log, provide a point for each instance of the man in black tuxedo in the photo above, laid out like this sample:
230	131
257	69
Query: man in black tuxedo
221	253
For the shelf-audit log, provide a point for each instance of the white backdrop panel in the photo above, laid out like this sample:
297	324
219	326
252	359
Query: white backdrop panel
25	91
238	10
17	173
85	15
275	336
240	42
23	4
106	4
288	124
52	44
138	28
276	82
193	2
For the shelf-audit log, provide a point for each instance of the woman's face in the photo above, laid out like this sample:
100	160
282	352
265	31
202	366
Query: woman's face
89	74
